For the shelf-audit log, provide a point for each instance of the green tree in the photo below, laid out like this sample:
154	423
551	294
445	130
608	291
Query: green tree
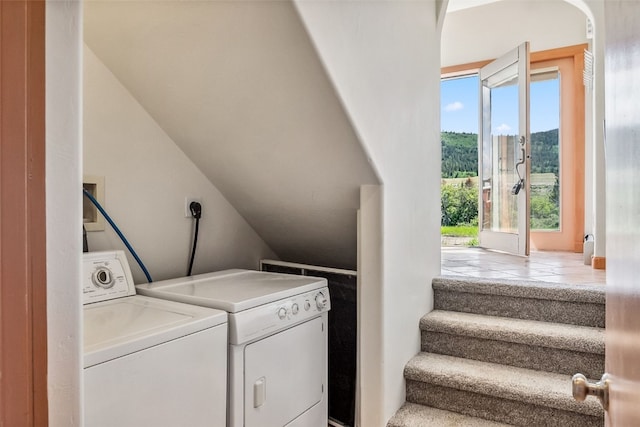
545	214
459	203
460	153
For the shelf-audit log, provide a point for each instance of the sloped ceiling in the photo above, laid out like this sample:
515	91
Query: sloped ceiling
454	5
240	89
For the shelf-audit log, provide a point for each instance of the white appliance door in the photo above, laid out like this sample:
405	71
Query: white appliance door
178	383
285	374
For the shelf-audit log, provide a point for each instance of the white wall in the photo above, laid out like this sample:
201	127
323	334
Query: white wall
383	60
146	180
491	30
596	169
369	387
63	184
239	88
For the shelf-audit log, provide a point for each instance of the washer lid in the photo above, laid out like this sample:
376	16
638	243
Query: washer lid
119	327
232	290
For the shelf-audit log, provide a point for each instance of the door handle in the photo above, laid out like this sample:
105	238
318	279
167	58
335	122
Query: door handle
520	184
259	392
582	388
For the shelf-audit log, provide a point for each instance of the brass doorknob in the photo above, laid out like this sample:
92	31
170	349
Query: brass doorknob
582	388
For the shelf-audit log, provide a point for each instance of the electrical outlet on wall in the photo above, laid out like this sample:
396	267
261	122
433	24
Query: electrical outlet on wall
187	202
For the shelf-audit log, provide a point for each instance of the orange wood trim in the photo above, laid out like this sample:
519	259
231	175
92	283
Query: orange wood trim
569	237
36	207
562	240
15	290
599	262
543	55
463	69
558	53
23	359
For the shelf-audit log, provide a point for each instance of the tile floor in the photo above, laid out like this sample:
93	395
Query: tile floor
556	267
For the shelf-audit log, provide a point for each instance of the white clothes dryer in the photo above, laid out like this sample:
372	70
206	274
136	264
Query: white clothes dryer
277	342
148	362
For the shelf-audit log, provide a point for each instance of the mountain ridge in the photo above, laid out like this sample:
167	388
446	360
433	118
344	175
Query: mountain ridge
460	153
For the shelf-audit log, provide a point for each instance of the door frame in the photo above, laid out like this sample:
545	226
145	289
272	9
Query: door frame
576	54
569	237
23	314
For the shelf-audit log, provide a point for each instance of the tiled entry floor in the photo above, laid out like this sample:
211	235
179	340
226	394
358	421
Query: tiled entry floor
556	267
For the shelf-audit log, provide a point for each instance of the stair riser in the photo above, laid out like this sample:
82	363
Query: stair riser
493	408
573	313
520	355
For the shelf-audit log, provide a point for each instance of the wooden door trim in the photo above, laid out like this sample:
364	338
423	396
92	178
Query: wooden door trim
23	330
570	235
539	56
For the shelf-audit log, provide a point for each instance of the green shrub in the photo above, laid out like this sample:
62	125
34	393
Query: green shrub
545	205
459	203
545	213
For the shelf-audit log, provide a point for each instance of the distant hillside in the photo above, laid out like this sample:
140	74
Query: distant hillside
460	153
544	152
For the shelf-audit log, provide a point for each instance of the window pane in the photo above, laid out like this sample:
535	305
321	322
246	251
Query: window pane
500	155
545	151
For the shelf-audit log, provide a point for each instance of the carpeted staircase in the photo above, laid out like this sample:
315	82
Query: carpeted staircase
502	353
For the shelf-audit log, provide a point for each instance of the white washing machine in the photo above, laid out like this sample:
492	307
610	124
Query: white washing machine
277	342
148	362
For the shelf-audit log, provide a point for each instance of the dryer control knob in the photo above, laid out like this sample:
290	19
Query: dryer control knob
321	301
282	313
295	308
307	305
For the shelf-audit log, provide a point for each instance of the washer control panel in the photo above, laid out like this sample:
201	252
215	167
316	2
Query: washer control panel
260	321
106	275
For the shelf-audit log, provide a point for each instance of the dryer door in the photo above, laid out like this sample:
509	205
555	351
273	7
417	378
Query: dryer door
285	374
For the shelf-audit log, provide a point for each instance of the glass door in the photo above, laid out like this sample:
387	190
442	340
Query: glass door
504	153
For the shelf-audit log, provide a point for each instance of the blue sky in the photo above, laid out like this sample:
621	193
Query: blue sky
459	106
